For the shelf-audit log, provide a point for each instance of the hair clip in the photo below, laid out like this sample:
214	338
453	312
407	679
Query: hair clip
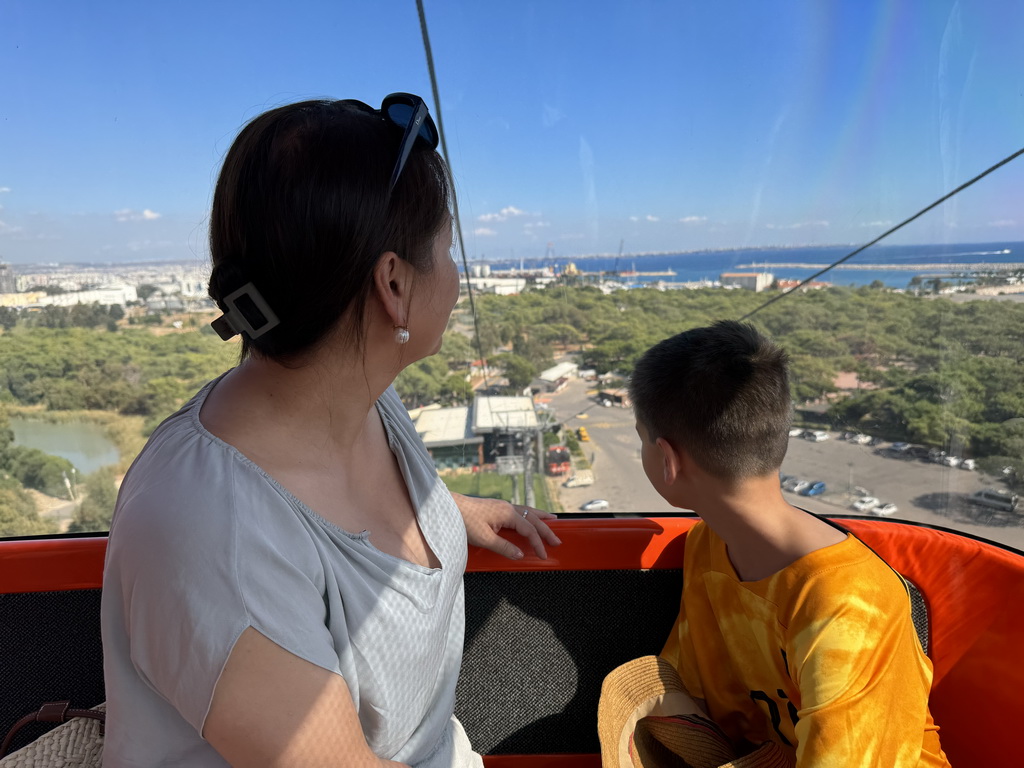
247	312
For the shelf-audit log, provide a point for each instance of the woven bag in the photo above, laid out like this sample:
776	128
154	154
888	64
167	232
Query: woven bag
77	743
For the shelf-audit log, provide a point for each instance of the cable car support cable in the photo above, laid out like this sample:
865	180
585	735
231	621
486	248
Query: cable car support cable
885	234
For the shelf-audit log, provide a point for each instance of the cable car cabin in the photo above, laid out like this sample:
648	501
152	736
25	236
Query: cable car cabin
541	635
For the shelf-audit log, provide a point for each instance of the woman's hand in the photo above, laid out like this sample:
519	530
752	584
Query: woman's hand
484	518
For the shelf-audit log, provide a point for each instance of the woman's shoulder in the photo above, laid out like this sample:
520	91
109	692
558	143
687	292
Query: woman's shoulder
186	480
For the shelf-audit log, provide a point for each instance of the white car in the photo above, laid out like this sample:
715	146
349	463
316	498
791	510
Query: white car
866	504
861	439
968	464
817	436
884	509
796	432
595	505
800	485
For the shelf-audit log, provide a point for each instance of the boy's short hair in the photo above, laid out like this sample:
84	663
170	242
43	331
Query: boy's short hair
721	393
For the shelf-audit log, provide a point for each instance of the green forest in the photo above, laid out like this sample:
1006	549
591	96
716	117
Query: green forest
934	372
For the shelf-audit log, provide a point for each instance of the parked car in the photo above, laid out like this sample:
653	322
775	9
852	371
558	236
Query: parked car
861	439
1004	501
884	509
595	505
968	464
799	486
813	489
783	479
951	461
865	503
899	447
817	435
796	432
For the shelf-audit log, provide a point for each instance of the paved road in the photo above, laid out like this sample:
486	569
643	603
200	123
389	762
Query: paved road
924	492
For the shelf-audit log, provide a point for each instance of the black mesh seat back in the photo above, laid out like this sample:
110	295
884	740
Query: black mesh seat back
50	650
539	644
919	613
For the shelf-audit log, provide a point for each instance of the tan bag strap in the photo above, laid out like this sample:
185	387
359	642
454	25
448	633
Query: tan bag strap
51	712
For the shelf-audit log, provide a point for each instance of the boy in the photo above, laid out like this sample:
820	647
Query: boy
790	629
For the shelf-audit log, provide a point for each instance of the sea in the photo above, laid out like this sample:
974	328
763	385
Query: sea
893	265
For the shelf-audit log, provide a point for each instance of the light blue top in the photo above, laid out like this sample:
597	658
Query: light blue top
204	544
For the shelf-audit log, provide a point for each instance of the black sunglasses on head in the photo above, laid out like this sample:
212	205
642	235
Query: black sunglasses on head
408	112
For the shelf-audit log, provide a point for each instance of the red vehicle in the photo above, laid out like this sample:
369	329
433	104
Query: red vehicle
558	462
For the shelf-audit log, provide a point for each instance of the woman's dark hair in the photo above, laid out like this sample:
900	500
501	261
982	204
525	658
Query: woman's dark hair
301	210
720	392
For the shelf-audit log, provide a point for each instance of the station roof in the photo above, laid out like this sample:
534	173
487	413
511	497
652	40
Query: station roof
503	414
446	427
559	371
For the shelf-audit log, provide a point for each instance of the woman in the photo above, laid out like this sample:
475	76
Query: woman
283	582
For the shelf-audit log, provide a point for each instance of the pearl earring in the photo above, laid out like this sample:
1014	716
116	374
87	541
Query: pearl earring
401	334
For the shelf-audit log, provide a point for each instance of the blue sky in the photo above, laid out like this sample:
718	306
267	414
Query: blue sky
572	126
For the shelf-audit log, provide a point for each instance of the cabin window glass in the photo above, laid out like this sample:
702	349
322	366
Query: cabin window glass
624	172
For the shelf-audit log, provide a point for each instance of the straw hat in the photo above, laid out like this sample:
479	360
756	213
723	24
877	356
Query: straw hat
646	719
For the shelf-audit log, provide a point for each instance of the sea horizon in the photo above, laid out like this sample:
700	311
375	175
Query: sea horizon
893	265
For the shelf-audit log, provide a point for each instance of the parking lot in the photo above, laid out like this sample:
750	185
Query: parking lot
923	491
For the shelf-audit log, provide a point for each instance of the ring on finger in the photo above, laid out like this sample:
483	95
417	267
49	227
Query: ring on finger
525	512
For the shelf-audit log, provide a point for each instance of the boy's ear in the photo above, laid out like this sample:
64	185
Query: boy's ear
671	459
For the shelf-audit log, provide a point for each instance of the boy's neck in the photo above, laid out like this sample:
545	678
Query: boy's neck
762	532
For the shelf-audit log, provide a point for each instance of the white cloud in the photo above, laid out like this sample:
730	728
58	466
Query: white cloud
649	217
7	229
127	214
484	232
876	224
536	224
634	218
5	189
1003	223
693	219
506	213
551	115
800	225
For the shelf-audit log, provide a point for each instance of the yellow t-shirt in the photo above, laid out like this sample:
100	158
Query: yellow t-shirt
821	657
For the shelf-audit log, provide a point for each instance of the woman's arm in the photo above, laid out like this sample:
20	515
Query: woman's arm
271	708
486	517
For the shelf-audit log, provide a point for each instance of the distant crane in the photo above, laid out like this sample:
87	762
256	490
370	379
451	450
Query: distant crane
621	243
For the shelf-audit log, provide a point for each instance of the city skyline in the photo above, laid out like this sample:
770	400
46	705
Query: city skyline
573	128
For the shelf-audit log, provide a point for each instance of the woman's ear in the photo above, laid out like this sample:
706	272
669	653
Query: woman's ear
392	283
